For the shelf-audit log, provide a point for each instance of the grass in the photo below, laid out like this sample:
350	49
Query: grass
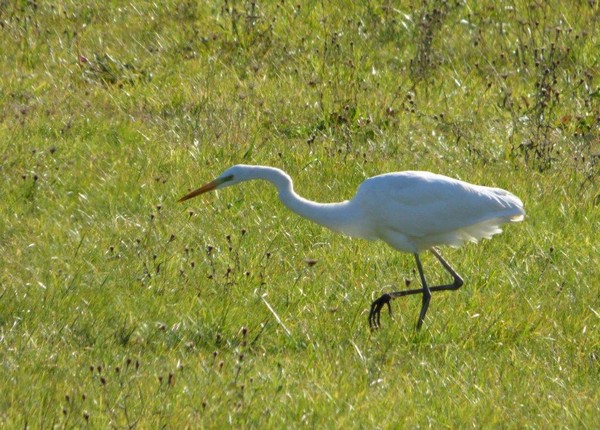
121	308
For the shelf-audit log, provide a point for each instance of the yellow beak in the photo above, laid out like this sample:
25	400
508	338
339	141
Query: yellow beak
203	189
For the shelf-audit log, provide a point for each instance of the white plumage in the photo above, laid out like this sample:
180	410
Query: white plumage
419	210
411	211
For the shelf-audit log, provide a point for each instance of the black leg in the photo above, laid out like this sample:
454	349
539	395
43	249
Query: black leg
385	299
426	293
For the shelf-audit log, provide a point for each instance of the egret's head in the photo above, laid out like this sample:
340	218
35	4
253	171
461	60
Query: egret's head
231	176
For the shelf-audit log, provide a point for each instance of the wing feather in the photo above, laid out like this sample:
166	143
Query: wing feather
431	209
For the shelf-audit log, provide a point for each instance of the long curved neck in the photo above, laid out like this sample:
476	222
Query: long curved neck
335	216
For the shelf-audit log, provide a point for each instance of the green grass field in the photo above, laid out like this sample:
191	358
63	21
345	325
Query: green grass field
121	308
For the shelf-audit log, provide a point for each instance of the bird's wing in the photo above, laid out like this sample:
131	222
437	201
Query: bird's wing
421	204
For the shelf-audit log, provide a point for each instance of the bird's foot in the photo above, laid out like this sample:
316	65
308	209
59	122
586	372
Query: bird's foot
376	306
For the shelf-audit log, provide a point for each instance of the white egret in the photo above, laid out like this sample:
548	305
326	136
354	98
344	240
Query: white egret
411	211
